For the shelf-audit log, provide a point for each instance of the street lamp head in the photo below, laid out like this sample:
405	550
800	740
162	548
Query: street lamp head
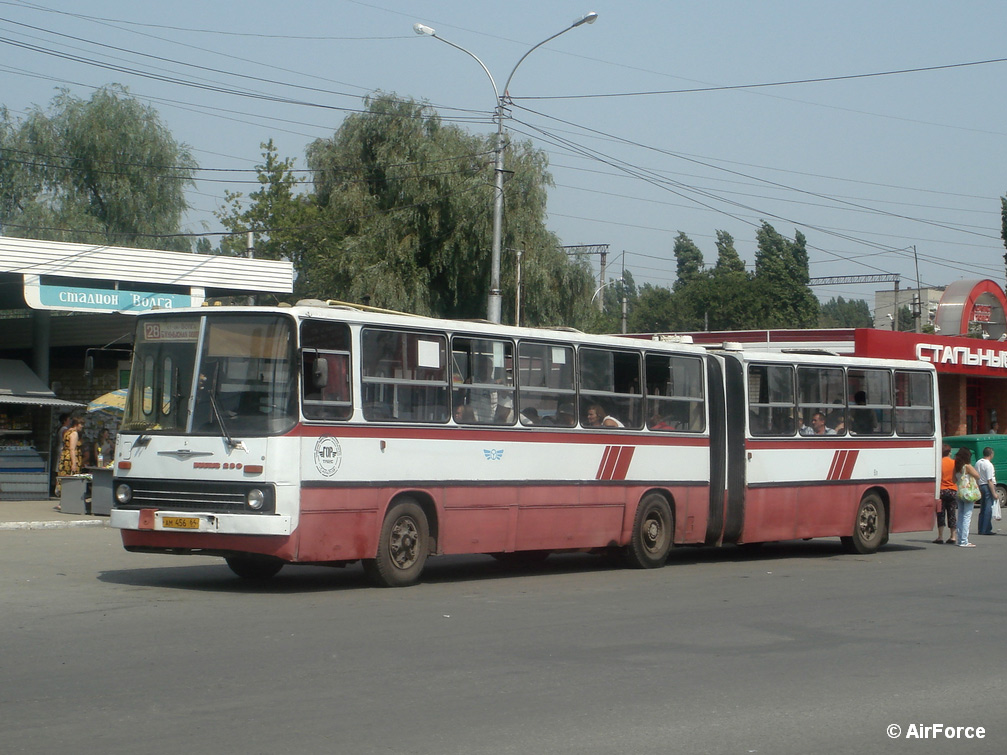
590	18
426	30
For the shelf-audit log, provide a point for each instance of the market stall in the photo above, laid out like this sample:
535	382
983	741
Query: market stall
27	407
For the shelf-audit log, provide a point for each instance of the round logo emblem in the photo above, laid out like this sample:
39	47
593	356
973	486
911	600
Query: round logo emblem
328	456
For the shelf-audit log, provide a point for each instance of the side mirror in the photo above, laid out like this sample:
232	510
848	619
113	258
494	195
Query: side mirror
320	372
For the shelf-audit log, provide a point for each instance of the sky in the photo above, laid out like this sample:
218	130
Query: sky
877	128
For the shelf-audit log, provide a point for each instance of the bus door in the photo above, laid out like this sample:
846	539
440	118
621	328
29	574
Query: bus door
718	449
737	461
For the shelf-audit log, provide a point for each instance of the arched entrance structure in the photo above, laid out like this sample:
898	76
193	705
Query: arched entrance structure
972	306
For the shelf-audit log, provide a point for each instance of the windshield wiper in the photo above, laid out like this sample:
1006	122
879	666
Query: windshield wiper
231	443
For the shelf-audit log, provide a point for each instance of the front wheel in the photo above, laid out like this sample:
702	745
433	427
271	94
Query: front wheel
403	546
870	530
653	530
254	567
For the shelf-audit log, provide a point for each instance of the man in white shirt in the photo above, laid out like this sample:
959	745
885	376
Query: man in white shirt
818	426
987	486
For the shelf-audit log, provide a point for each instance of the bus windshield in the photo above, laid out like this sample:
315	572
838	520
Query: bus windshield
228	375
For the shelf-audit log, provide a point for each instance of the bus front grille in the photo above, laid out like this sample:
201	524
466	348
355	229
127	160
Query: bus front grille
195	496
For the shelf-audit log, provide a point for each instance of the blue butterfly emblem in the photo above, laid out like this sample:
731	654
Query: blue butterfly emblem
493	454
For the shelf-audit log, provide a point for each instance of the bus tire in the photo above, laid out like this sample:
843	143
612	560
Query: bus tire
870	529
653	533
254	567
403	546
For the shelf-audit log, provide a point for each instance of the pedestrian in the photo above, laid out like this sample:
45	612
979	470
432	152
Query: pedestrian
57	448
963	473
71	455
949	497
987	486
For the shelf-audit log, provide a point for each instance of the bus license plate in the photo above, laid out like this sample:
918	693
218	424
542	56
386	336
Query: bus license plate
180	522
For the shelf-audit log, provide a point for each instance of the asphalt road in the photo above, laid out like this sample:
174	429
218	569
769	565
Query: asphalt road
791	648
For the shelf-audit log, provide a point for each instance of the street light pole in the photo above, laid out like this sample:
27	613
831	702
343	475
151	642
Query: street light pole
493	306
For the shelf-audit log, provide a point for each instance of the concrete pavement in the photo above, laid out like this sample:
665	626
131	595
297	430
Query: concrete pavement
39	515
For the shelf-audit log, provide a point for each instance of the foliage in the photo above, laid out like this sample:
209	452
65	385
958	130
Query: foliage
284	223
840	313
728	297
105	170
406	202
781	281
656	311
689	261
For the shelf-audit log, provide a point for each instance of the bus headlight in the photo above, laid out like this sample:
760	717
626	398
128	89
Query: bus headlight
123	493
255	499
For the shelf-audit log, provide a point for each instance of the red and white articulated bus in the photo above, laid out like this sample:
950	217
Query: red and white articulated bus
327	434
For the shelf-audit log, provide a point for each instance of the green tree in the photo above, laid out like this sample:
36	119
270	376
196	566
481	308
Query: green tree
656	311
842	313
103	170
732	305
406	205
781	281
284	223
689	261
609	319
728	260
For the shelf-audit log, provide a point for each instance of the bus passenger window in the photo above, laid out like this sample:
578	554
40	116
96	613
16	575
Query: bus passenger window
404	376
870	401
611	394
546	380
675	398
914	403
325	370
771	399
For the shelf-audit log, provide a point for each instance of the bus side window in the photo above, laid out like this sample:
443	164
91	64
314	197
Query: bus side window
325	370
771	399
914	403
405	376
610	383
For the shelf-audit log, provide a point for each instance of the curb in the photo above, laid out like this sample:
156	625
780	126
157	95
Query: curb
51	525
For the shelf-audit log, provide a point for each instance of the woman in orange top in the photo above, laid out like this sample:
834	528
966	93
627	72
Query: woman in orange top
949	497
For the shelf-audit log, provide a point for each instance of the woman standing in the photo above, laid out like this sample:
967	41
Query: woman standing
71	455
963	468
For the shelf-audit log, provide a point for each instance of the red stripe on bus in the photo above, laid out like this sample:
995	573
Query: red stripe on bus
611	462
624	457
849	462
603	467
835	463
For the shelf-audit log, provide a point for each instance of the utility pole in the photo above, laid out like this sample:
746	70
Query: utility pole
599	249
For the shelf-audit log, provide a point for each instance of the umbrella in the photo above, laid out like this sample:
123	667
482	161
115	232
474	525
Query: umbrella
113	402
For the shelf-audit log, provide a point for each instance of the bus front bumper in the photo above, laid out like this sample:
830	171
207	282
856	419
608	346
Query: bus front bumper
163	520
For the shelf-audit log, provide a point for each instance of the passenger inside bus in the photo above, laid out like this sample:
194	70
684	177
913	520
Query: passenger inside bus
817	426
864	421
598	417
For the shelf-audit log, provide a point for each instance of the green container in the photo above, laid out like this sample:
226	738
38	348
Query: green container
976	444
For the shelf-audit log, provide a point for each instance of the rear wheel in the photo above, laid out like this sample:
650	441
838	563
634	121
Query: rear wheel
653	529
254	567
870	530
403	546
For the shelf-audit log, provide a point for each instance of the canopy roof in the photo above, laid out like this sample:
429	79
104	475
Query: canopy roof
19	385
